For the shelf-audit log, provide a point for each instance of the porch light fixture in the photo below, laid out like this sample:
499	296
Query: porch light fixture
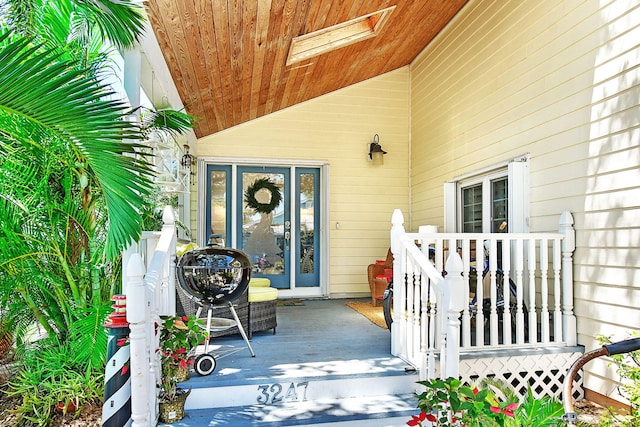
188	161
376	152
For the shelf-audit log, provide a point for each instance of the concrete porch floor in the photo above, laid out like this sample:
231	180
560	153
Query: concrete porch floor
322	349
317	337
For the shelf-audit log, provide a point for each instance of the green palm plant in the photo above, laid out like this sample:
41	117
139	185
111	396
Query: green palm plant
72	176
56	125
544	411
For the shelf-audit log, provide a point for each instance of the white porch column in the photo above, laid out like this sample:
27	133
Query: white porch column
454	290
132	79
397	327
569	328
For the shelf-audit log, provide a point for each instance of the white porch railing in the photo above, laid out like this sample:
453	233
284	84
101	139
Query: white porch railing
149	284
500	291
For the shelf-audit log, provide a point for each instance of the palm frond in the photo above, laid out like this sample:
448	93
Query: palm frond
167	119
539	412
20	14
120	21
48	92
88	338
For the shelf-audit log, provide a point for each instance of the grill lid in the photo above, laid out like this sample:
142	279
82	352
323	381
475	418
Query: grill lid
214	275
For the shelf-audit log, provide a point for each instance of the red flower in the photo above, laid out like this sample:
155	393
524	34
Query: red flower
417	420
185	318
183	364
475	391
509	409
432	418
495	409
181	350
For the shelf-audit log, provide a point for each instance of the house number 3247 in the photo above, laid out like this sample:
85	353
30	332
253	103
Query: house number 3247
270	394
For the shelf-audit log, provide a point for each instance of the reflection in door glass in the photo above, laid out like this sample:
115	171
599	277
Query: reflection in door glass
263	234
219	207
307	236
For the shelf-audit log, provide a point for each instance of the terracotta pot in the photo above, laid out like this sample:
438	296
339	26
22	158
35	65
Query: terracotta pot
67	407
173	411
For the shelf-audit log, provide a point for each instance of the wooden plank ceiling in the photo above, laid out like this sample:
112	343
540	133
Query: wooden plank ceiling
228	57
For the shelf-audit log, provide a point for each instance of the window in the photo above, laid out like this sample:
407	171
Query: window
485	204
490	200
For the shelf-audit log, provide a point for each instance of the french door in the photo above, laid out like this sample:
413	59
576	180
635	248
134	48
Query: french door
273	215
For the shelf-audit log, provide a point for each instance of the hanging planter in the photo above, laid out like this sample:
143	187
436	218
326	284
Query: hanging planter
274	196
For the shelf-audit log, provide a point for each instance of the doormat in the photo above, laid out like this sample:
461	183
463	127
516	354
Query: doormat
374	314
291	302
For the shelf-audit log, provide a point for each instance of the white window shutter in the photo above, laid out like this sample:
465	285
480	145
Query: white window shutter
450	207
518	173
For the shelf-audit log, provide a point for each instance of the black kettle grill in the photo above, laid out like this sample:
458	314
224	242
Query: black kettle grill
213	276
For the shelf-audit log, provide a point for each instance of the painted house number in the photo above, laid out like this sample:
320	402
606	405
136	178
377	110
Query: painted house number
271	394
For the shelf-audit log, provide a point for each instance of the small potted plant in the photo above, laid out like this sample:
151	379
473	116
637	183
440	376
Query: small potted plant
178	336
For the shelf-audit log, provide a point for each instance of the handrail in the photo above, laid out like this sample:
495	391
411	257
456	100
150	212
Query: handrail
519	296
414	330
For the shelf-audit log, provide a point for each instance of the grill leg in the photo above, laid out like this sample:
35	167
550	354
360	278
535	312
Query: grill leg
209	317
241	328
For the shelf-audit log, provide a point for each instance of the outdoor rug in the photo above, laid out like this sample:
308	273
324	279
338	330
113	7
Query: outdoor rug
374	314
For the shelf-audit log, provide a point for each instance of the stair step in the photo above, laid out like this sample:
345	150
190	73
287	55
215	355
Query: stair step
300	389
370	411
301	383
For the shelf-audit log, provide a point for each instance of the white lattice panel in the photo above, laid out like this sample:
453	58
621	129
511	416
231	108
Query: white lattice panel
544	372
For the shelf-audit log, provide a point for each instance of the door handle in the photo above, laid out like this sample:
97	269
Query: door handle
287	238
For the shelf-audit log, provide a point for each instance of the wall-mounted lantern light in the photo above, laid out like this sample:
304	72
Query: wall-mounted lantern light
376	152
188	162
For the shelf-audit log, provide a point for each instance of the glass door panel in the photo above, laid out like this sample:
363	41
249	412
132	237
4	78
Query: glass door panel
218	208
307	225
265	225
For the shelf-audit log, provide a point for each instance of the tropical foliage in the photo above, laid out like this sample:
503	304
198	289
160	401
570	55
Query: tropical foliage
449	402
73	178
178	336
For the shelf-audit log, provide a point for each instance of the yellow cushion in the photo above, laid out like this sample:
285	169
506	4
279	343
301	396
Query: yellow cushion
181	248
262	294
260	282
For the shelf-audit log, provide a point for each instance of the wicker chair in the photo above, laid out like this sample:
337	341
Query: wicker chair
263	301
378	285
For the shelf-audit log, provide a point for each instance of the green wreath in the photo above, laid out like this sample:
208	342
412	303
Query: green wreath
250	196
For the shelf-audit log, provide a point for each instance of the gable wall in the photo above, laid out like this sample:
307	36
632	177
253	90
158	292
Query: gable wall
337	128
561	81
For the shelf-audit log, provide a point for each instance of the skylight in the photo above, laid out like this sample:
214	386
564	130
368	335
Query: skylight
337	36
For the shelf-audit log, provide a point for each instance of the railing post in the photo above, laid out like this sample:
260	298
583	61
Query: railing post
168	289
126	256
454	289
397	337
569	328
137	313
